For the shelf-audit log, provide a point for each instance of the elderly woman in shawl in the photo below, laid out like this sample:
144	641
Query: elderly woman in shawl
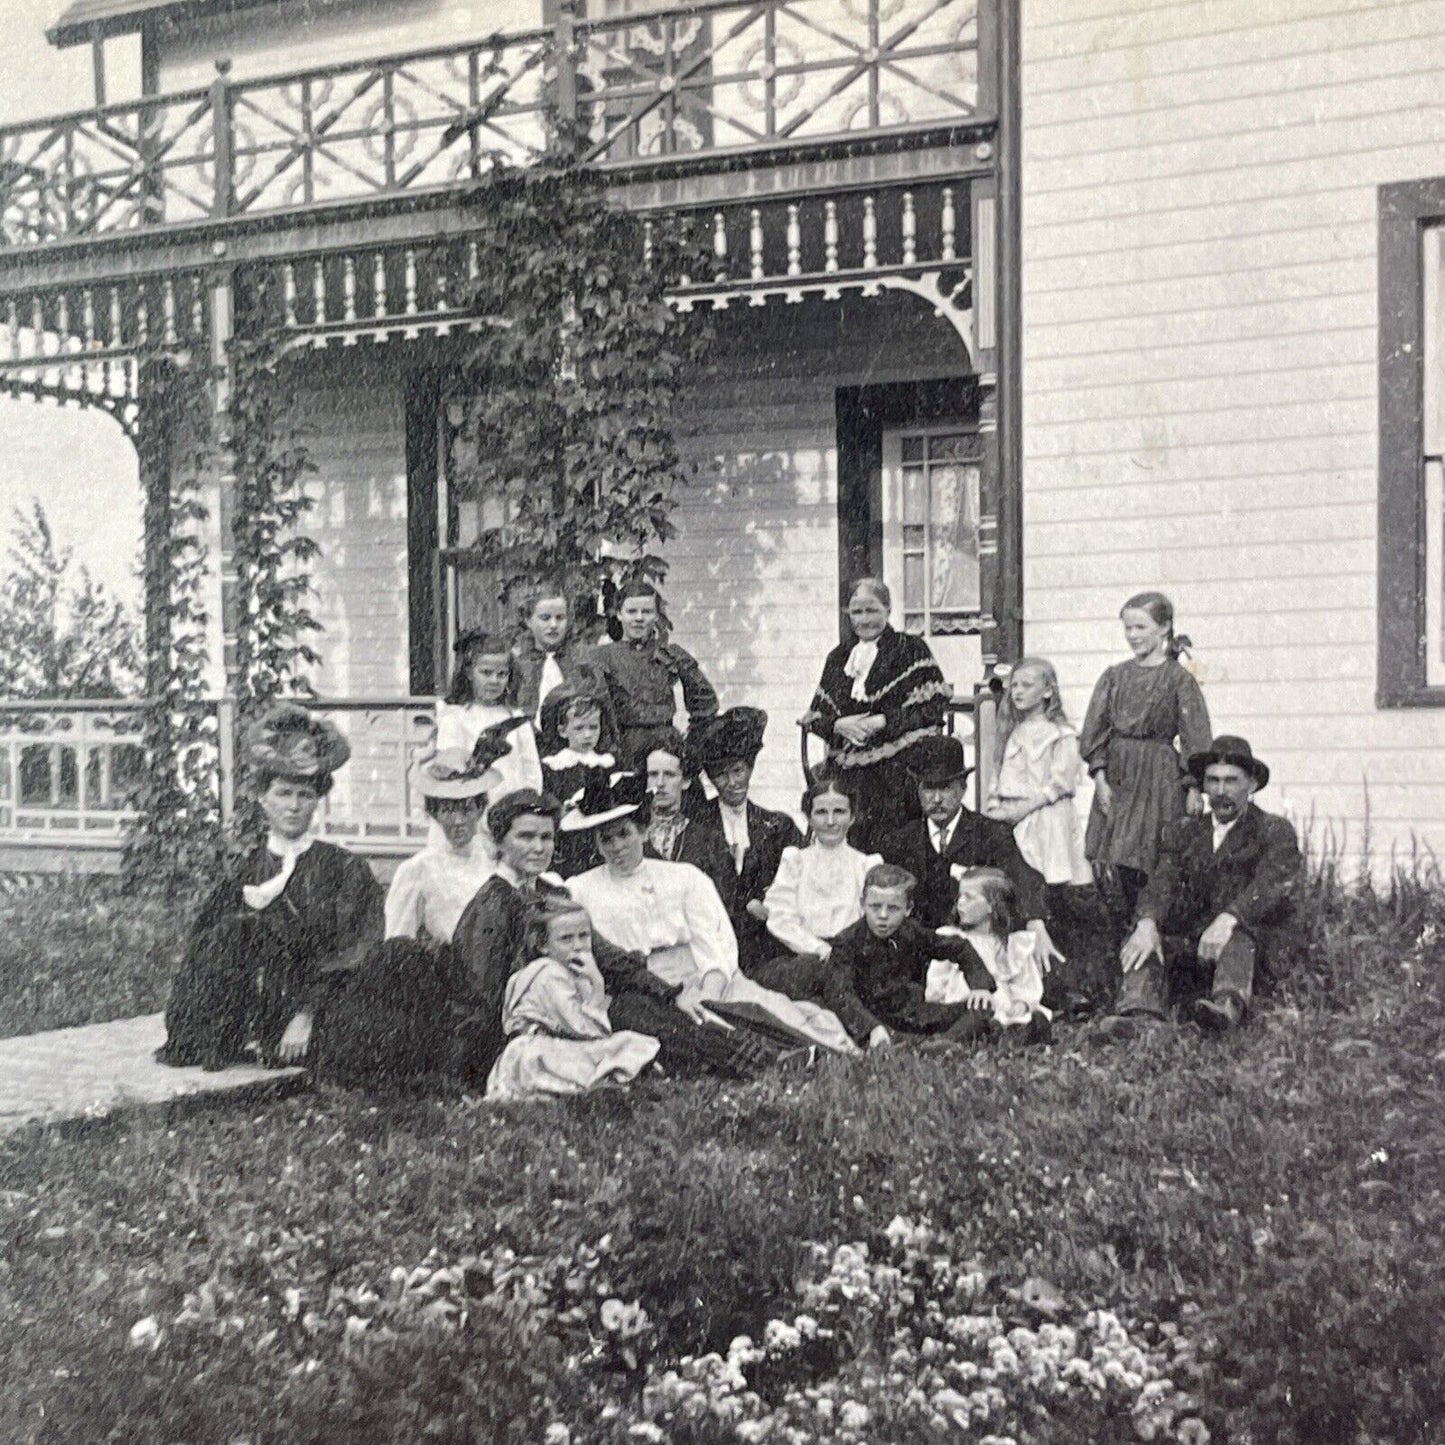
877	697
291	919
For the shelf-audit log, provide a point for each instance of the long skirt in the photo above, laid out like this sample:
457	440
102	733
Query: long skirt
243	979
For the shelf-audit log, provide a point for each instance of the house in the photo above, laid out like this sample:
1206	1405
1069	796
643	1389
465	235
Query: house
1027	304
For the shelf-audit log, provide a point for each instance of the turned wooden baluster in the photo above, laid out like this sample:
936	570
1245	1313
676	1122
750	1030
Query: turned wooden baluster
288	296
348	296
87	318
755	244
795	242
117	339
198	308
830	236
870	235
720	247
378	286
168	311
950	225
318	291
910	230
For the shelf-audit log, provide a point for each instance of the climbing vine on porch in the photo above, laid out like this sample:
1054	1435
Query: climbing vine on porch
562	422
177	831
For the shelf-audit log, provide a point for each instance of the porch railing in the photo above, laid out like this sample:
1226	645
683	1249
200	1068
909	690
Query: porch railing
70	770
715	77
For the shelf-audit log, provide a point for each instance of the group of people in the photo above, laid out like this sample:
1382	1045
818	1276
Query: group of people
599	895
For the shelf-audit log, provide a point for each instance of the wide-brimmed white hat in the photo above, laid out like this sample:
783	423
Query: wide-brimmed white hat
451	774
603	799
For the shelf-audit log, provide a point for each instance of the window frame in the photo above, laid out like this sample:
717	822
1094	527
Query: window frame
1406	210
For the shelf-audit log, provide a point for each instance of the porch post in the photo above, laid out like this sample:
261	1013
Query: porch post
223	319
995	521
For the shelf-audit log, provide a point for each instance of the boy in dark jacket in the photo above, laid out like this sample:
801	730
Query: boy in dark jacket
879	967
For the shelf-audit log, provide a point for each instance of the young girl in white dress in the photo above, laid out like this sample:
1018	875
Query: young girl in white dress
555	1012
1038	773
482	694
815	894
985	903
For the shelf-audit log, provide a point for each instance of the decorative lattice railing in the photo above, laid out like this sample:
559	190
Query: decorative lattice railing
722	77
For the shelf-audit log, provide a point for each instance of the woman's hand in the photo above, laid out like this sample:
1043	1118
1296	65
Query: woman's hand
1103	793
687	1002
1193	803
880	1038
296	1040
978	999
853	730
758	909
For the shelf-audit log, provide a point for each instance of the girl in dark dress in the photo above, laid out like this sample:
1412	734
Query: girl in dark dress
292	920
1147	717
877	697
574	748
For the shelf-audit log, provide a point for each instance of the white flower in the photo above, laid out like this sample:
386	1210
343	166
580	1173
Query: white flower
557	1434
854	1416
645	1430
780	1337
146	1334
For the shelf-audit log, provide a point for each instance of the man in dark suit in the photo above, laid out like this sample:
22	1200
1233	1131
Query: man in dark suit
1223	886
950	835
731	826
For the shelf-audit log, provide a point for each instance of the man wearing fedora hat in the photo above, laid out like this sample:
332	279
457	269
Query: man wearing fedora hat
1223	887
749	838
950	835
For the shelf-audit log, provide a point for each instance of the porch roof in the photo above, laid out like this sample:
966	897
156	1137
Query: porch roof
86	20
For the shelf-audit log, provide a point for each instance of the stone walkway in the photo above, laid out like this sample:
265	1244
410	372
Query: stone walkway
103	1069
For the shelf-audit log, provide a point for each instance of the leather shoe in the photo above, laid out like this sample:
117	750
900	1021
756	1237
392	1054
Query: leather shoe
1219	1014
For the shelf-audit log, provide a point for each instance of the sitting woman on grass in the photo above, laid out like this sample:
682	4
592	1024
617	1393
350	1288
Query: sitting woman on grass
292	920
671	915
490	946
816	894
556	1014
391	1023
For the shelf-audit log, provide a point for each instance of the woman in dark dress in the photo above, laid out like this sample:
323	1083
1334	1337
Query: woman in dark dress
293	919
1147	717
877	697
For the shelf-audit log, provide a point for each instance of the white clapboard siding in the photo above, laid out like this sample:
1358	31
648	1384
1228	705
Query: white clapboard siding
753	579
304	37
1200	393
351	420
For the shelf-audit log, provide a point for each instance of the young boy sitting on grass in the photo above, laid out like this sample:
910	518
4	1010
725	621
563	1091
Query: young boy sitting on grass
879	970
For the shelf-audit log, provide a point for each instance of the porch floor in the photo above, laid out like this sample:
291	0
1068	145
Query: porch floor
101	1070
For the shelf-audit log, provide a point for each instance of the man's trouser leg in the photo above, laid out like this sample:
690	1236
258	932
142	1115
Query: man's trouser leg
1144	989
1234	971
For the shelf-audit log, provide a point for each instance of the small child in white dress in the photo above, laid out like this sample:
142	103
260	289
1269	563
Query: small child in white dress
985	905
1039	772
555	1014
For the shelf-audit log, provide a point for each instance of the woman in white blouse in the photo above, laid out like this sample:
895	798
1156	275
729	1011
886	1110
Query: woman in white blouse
817	893
671	913
430	890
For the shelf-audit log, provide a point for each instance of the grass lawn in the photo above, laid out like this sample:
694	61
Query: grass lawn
76	950
1188	1239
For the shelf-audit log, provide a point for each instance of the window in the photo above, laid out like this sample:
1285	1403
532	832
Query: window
1412	445
934	549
